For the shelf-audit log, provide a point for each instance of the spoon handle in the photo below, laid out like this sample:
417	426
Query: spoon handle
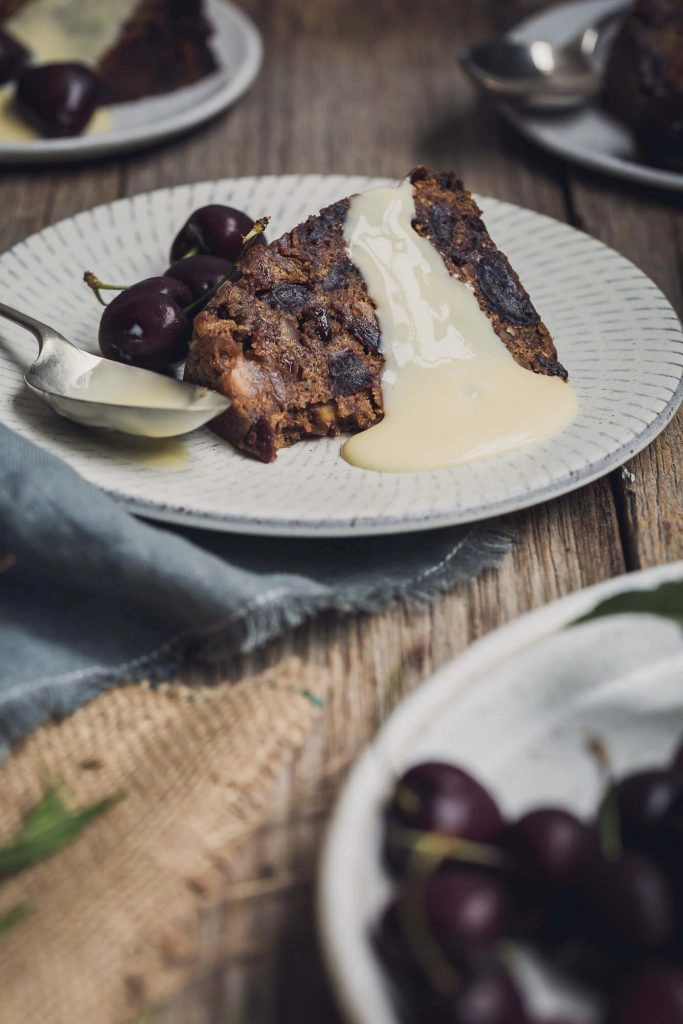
40	330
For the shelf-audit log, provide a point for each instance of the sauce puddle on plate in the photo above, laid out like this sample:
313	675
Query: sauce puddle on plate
166	454
452	392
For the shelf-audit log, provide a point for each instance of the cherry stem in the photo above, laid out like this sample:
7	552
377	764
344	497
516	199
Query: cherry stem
598	750
415	924
194	251
96	286
247	241
609	824
432	846
609	827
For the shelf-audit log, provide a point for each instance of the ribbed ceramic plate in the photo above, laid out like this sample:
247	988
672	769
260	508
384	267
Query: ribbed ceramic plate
516	710
615	331
237	47
587	136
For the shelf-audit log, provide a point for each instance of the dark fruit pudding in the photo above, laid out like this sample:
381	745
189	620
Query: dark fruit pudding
644	79
294	338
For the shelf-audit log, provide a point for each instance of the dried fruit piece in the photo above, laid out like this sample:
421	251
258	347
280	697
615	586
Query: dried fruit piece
503	291
291	296
366	331
348	372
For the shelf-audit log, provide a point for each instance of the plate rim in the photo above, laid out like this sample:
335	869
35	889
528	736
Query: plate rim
90	147
389	523
612	166
474	661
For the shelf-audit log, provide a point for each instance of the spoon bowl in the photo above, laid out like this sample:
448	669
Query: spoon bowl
538	73
519	69
102	393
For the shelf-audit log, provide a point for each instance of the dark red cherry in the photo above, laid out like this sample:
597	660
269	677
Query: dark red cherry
410	986
166	286
58	100
550	845
466	905
677	762
651	995
200	274
144	330
389	942
212	230
632	900
13	56
554	1020
490	997
644	803
438	797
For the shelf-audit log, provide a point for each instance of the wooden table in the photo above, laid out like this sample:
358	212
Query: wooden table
372	86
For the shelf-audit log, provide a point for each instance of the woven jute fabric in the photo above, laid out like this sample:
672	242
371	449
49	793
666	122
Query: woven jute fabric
112	921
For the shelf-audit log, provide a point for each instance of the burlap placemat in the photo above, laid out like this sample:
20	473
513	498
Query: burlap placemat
112	918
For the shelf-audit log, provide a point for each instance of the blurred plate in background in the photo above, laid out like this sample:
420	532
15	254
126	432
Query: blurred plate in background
238	49
589	135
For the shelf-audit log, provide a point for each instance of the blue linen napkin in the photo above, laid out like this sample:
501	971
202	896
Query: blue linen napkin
91	596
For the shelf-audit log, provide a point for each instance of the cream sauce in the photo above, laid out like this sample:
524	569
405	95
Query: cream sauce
69	30
452	391
117	397
168	455
116	384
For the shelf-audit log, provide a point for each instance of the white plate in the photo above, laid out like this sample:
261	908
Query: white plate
588	136
236	44
516	710
615	331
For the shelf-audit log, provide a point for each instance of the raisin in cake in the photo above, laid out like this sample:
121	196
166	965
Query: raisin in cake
644	81
293	339
139	47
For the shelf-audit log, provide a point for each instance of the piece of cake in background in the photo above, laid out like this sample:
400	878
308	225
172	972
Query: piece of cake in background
137	47
644	79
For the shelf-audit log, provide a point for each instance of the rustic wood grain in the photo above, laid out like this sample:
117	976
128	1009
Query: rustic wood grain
648	228
372	86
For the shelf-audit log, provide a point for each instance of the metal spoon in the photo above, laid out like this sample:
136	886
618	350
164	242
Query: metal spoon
101	393
539	73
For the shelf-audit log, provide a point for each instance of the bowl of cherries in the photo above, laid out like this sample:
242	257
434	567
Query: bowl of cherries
595	903
149	323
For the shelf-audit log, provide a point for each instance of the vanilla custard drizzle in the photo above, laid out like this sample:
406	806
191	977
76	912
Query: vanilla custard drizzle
69	30
452	392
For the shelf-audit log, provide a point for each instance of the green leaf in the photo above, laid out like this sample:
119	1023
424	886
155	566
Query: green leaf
13	916
47	828
665	600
